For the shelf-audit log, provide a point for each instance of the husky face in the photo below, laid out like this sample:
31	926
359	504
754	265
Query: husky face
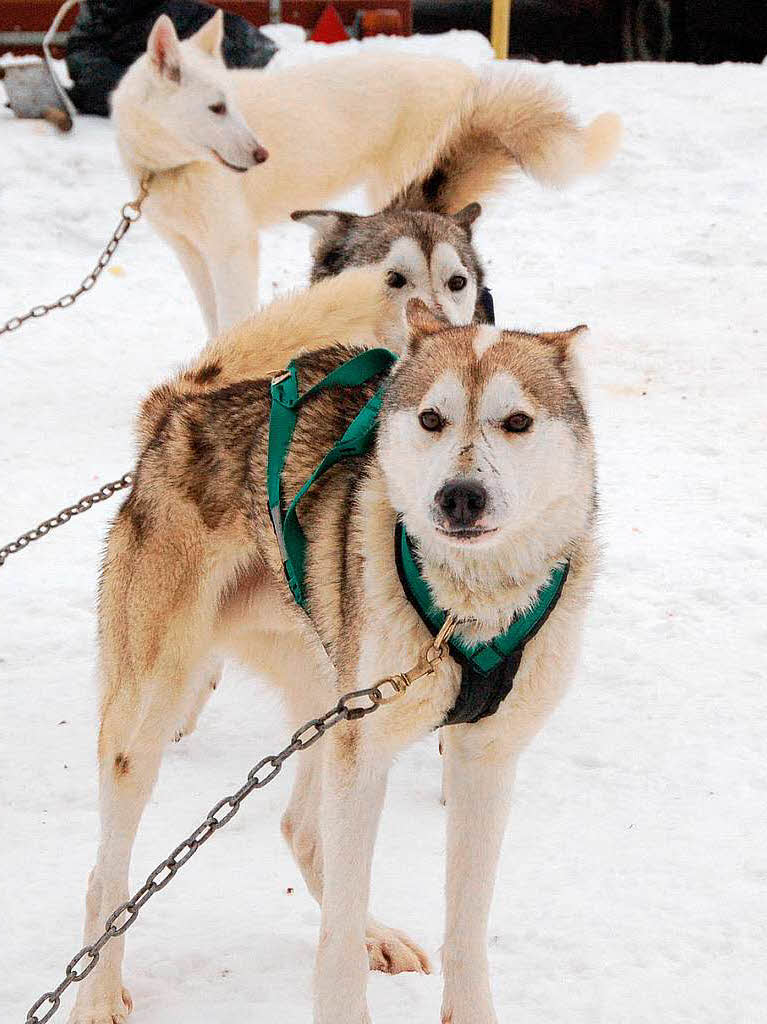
190	91
484	439
421	255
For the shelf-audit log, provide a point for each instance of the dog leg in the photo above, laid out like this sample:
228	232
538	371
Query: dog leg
198	275
135	728
300	822
353	787
156	618
389	950
479	777
233	264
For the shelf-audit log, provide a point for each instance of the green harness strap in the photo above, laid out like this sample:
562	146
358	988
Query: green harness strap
358	438
483	658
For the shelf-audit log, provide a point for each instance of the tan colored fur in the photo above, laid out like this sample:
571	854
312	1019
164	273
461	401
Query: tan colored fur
354	308
193	573
506	123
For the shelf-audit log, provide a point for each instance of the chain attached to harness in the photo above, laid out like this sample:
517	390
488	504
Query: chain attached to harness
131	212
349	708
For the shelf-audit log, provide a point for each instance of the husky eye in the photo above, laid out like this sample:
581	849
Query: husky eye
218	108
431	420
517	423
395	279
457	283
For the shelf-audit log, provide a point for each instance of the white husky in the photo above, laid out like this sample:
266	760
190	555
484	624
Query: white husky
385	121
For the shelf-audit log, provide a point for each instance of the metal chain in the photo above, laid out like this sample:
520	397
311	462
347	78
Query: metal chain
131	212
65	515
350	707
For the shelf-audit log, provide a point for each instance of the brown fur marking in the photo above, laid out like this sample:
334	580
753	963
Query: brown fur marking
135	513
206	373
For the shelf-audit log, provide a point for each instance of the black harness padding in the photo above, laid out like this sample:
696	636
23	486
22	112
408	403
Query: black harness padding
481	695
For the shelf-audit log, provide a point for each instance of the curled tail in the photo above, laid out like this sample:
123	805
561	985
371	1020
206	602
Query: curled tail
507	124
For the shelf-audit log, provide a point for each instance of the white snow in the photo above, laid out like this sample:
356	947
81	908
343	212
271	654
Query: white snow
470	47
632	887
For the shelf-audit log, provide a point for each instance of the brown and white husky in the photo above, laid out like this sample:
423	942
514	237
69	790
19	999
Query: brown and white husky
193	572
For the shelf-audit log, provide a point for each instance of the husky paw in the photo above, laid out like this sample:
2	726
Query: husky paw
393	952
114	1011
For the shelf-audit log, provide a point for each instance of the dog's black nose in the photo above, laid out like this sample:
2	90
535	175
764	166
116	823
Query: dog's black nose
260	154
462	502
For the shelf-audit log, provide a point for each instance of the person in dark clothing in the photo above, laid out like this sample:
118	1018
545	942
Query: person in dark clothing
109	35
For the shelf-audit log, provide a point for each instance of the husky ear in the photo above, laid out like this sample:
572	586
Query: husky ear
466	217
330	226
163	49
562	341
324	222
421	322
210	37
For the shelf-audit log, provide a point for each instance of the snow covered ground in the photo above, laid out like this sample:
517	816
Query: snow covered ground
633	885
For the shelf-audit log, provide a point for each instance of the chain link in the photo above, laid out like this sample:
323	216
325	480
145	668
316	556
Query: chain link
65	515
350	707
130	213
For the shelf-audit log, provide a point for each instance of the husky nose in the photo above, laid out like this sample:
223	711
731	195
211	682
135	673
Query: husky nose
462	502
260	154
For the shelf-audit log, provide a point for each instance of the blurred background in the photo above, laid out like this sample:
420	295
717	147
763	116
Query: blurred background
576	31
100	39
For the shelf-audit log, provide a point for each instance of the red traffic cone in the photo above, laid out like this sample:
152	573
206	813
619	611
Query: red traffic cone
330	28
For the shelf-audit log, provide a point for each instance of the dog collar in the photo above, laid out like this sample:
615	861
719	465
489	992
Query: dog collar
488	668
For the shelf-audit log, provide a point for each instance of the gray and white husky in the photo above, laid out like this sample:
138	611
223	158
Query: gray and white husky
421	254
484	453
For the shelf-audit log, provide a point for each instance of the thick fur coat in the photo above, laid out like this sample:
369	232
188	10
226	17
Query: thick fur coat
193	574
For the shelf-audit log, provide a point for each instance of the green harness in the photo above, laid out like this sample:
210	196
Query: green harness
488	668
358	438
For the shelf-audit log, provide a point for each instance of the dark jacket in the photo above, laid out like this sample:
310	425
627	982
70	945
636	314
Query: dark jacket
109	35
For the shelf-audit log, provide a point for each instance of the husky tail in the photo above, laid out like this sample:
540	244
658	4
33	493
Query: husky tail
507	124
